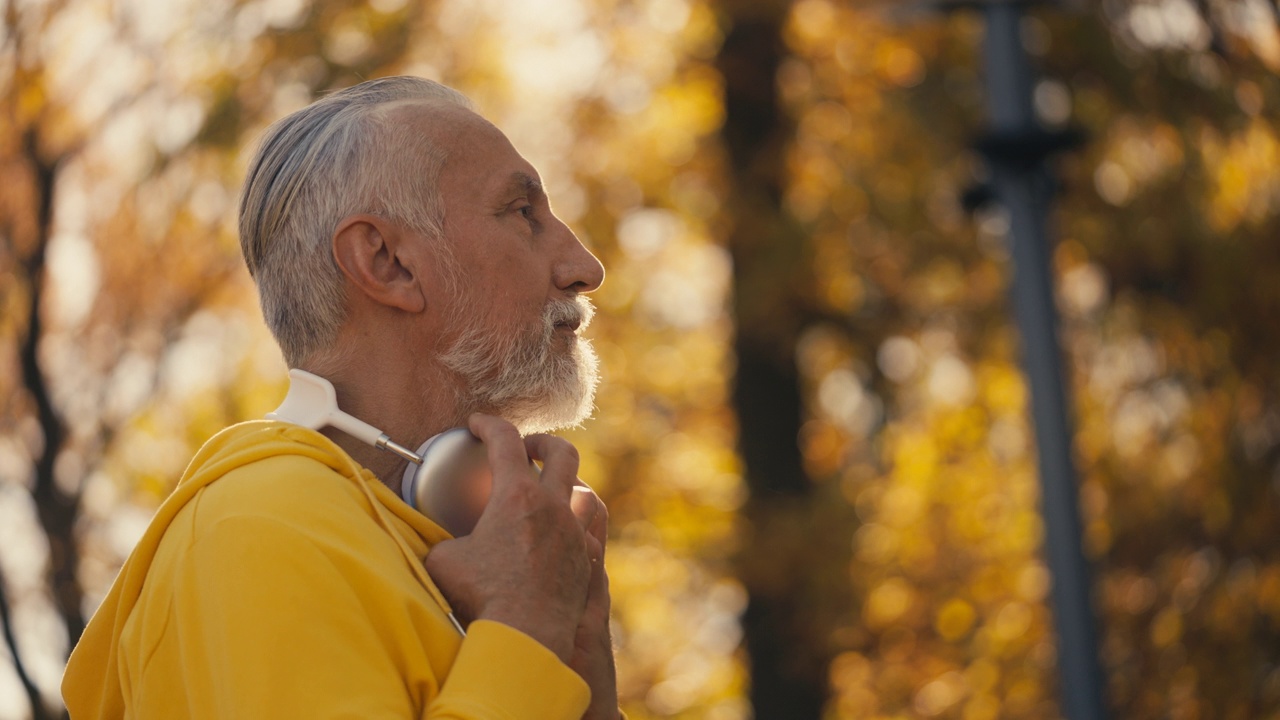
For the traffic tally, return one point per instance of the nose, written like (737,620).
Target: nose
(577,271)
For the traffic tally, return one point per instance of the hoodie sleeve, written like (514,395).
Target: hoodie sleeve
(268,624)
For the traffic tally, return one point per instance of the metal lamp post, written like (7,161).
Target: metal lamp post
(1016,149)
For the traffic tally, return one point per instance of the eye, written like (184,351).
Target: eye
(529,213)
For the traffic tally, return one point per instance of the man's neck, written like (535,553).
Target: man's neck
(409,407)
(386,465)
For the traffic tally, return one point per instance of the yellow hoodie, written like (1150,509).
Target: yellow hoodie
(282,580)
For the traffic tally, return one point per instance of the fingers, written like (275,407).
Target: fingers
(559,460)
(507,450)
(504,447)
(590,511)
(594,518)
(584,505)
(595,553)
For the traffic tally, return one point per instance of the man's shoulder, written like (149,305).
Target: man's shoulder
(287,489)
(283,481)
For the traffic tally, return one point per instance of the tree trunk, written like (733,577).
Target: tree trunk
(38,710)
(56,509)
(787,670)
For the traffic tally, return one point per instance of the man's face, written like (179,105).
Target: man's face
(512,334)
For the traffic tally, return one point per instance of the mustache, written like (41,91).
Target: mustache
(574,311)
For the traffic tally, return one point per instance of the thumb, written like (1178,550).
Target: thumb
(591,512)
(585,505)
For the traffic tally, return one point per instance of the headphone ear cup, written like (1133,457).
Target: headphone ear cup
(409,484)
(409,480)
(452,485)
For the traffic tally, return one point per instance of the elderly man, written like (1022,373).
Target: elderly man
(406,252)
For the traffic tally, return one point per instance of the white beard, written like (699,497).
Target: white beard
(524,378)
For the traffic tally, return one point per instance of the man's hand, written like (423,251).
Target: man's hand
(593,644)
(527,564)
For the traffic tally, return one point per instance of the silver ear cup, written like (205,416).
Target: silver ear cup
(453,483)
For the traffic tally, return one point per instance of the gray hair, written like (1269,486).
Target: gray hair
(342,155)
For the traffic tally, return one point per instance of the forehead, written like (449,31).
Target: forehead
(479,158)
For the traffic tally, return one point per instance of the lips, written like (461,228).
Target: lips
(569,315)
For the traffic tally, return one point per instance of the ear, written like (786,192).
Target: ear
(373,253)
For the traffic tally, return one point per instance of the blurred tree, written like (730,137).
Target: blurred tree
(946,571)
(1167,264)
(162,346)
(103,139)
(782,561)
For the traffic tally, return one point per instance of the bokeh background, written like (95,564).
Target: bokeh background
(813,433)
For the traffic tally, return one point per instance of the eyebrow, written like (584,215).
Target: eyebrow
(522,182)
